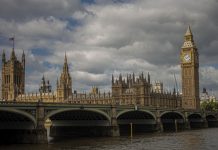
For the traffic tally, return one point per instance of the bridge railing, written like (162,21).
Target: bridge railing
(106,99)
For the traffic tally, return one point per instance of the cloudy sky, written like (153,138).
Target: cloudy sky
(105,37)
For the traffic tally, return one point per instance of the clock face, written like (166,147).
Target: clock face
(187,58)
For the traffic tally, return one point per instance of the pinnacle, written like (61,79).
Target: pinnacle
(65,67)
(65,57)
(188,32)
(13,54)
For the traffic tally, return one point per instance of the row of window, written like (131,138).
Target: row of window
(17,79)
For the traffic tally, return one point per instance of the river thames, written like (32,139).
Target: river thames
(204,139)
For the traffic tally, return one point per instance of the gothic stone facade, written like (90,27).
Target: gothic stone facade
(139,91)
(190,73)
(125,91)
(13,76)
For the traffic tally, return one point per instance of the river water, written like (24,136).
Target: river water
(204,139)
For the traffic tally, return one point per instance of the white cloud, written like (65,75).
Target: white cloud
(108,37)
(27,9)
(43,28)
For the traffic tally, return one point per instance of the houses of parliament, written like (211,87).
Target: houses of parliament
(129,90)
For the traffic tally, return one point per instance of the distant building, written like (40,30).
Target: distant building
(13,76)
(94,90)
(139,91)
(190,72)
(132,90)
(45,87)
(158,87)
(206,96)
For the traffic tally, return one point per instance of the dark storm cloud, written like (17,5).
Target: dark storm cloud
(113,37)
(21,10)
(160,26)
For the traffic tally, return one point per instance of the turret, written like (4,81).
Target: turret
(23,59)
(149,78)
(130,79)
(64,87)
(174,91)
(57,83)
(13,77)
(48,86)
(127,79)
(43,80)
(188,39)
(120,78)
(65,67)
(112,80)
(133,77)
(45,86)
(13,56)
(188,35)
(42,87)
(3,57)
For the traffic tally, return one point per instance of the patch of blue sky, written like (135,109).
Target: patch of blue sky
(88,1)
(29,70)
(121,1)
(5,41)
(72,23)
(104,1)
(44,65)
(47,64)
(211,65)
(41,51)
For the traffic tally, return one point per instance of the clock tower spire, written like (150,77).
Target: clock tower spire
(190,72)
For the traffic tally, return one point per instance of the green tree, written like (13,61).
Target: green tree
(209,106)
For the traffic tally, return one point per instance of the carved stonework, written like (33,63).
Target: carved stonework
(190,73)
(13,76)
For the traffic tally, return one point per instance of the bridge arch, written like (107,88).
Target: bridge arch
(20,113)
(210,116)
(78,109)
(195,114)
(195,120)
(126,111)
(172,121)
(79,122)
(141,120)
(15,124)
(212,120)
(175,112)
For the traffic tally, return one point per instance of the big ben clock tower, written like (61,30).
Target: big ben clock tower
(190,74)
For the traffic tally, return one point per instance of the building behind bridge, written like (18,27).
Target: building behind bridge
(130,90)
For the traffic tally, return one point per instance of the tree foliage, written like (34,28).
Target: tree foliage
(209,106)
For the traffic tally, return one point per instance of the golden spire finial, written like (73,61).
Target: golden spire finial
(188,32)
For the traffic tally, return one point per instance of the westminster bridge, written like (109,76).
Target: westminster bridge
(34,122)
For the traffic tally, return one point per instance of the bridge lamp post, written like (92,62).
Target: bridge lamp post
(131,130)
(47,125)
